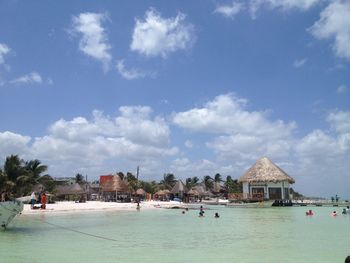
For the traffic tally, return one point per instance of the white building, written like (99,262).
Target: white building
(265,180)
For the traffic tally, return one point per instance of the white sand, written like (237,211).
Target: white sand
(72,207)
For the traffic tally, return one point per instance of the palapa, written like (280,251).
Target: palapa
(140,191)
(193,192)
(178,188)
(264,170)
(114,184)
(71,189)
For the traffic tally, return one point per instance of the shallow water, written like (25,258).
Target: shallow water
(245,235)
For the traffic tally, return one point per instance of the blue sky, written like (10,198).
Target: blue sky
(174,86)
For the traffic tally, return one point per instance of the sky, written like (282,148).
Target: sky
(187,87)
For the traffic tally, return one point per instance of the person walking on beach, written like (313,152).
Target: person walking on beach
(32,200)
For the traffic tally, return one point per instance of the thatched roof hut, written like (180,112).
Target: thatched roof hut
(193,192)
(201,190)
(264,170)
(162,192)
(113,183)
(140,191)
(179,188)
(70,189)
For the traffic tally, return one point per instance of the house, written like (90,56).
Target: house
(265,180)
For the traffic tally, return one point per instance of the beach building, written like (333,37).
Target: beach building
(71,192)
(265,181)
(113,188)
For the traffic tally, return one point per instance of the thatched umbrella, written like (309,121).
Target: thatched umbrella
(193,192)
(179,188)
(141,192)
(201,191)
(264,170)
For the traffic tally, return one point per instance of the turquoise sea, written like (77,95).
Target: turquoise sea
(242,235)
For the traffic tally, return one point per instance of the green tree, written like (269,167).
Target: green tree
(121,175)
(48,182)
(149,187)
(191,182)
(79,178)
(208,182)
(233,186)
(19,177)
(168,181)
(132,181)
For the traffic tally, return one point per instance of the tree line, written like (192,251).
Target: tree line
(19,177)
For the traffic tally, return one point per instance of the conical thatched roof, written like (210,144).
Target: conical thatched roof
(193,192)
(140,191)
(162,192)
(113,183)
(179,187)
(264,170)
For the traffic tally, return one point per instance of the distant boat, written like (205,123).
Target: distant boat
(8,211)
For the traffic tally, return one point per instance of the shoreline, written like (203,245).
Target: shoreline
(95,206)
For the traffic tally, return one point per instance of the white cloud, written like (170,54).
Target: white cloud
(342,89)
(157,36)
(94,41)
(33,77)
(12,143)
(4,50)
(292,4)
(227,114)
(229,11)
(334,24)
(129,74)
(339,121)
(188,144)
(100,144)
(285,5)
(299,62)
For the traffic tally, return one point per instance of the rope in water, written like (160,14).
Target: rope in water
(79,232)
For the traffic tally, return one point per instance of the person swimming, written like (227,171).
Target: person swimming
(217,215)
(344,211)
(309,213)
(334,213)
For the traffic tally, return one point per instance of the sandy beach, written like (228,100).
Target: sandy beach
(72,207)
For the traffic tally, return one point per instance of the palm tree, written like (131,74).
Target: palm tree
(18,177)
(208,182)
(121,175)
(36,168)
(191,182)
(217,178)
(168,181)
(79,178)
(232,186)
(132,181)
